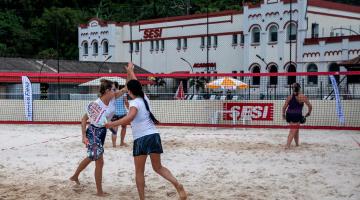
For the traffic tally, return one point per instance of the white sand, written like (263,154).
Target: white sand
(211,164)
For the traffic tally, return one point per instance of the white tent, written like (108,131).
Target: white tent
(96,82)
(227,83)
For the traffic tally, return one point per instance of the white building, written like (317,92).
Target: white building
(257,39)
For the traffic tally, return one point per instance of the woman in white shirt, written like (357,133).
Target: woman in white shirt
(147,140)
(94,135)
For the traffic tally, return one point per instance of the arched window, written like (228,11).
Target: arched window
(291,79)
(256,79)
(333,67)
(85,47)
(255,35)
(95,47)
(105,47)
(312,80)
(273,79)
(273,33)
(291,31)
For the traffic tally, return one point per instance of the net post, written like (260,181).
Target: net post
(321,91)
(249,89)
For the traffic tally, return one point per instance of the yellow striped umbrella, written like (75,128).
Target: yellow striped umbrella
(227,83)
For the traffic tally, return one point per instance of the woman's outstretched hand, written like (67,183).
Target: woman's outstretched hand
(129,67)
(109,125)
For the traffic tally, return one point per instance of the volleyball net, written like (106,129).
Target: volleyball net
(253,100)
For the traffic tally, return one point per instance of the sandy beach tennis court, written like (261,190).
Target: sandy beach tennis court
(37,160)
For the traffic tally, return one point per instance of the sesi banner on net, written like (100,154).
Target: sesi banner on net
(257,111)
(27,93)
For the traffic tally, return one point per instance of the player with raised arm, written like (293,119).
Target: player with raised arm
(98,113)
(147,139)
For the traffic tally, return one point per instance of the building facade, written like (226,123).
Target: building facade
(273,36)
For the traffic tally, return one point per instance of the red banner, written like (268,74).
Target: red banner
(152,33)
(257,111)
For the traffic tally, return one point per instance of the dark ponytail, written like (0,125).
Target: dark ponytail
(135,87)
(296,88)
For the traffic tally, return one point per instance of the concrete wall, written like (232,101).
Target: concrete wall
(171,111)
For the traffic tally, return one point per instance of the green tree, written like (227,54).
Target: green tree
(59,26)
(198,83)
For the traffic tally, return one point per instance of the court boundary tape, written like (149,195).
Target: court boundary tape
(42,142)
(349,128)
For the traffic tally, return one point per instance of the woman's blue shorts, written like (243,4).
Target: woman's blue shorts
(147,144)
(96,137)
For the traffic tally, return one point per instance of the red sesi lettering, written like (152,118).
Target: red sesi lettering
(156,33)
(256,112)
(146,34)
(152,33)
(265,112)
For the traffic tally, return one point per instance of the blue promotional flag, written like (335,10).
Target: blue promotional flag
(339,109)
(27,91)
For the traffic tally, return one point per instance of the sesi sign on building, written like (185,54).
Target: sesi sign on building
(152,33)
(204,65)
(257,111)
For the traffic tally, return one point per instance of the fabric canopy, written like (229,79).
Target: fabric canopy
(227,83)
(96,82)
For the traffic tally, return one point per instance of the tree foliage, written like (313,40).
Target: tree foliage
(48,28)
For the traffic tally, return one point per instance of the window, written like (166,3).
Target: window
(242,77)
(162,45)
(273,34)
(209,41)
(130,47)
(334,68)
(255,35)
(256,79)
(242,39)
(234,39)
(215,72)
(234,72)
(273,79)
(105,47)
(95,48)
(157,45)
(291,79)
(202,45)
(178,44)
(352,78)
(312,80)
(137,46)
(314,30)
(185,43)
(86,48)
(215,40)
(291,32)
(152,45)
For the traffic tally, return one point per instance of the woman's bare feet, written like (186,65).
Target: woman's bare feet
(287,147)
(182,194)
(75,179)
(124,145)
(102,194)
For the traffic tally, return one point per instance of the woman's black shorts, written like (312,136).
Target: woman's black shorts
(147,144)
(294,117)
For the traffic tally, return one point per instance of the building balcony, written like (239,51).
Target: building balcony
(336,39)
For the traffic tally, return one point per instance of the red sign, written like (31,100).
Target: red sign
(257,111)
(203,65)
(152,33)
